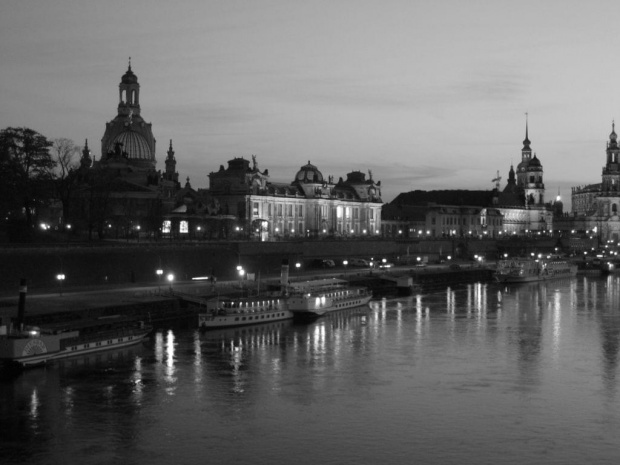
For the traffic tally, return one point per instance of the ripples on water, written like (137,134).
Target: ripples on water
(470,375)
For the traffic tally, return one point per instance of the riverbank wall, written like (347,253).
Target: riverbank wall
(136,263)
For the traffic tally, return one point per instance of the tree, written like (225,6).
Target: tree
(26,170)
(65,153)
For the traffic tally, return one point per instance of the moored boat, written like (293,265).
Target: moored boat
(231,312)
(520,270)
(311,299)
(33,345)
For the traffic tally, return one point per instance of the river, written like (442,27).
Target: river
(476,374)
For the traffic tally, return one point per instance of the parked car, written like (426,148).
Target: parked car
(455,266)
(323,263)
(386,265)
(359,262)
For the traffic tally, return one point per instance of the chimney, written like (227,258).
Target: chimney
(21,307)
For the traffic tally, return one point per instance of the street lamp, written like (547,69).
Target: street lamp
(159,272)
(345,263)
(241,273)
(170,279)
(60,277)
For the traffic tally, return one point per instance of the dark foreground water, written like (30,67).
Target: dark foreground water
(479,374)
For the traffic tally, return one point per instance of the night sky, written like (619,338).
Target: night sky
(425,94)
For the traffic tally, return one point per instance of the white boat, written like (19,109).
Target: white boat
(232,312)
(320,296)
(526,270)
(33,345)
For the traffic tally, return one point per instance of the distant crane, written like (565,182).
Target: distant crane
(496,180)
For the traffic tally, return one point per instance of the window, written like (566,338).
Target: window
(255,209)
(183,227)
(165,228)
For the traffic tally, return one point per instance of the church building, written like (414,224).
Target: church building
(121,194)
(595,206)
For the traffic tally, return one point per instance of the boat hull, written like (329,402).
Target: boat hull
(34,351)
(528,271)
(231,320)
(311,312)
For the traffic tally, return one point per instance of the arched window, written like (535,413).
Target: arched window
(614,208)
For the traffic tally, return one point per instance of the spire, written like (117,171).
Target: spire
(86,161)
(129,69)
(511,175)
(171,165)
(170,152)
(526,141)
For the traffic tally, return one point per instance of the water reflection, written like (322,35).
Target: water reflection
(398,379)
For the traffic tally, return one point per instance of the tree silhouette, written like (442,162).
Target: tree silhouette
(26,170)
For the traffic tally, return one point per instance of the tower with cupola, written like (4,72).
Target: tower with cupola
(530,173)
(128,139)
(611,170)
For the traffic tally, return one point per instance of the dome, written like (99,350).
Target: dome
(534,162)
(129,77)
(134,144)
(309,174)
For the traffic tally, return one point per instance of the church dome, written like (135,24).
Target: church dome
(129,77)
(309,174)
(534,162)
(134,144)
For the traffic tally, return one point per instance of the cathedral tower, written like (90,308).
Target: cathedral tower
(530,173)
(611,170)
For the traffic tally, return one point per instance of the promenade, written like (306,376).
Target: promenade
(48,301)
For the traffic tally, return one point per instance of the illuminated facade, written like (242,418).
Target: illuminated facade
(518,209)
(309,206)
(595,206)
(522,202)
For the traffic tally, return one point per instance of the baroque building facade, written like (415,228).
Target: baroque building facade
(122,194)
(519,208)
(595,206)
(309,206)
(522,201)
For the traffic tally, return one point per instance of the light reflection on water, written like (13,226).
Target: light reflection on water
(478,373)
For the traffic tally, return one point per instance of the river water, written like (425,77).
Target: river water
(475,374)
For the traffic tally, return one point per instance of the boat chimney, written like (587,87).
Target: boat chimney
(21,307)
(284,273)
